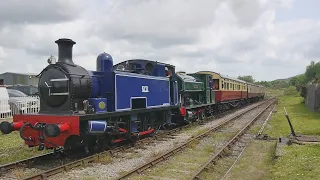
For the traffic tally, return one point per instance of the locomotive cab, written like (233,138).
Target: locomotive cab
(145,67)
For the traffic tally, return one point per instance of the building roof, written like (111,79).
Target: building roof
(26,74)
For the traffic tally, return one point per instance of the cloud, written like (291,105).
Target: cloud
(33,11)
(234,37)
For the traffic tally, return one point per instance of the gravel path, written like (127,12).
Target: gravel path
(126,161)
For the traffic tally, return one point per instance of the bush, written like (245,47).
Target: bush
(292,91)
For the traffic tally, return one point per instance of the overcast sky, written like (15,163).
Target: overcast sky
(268,39)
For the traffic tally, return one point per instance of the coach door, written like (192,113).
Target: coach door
(240,88)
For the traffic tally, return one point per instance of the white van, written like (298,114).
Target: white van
(4,102)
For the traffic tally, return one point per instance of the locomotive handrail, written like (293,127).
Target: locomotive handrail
(59,93)
(125,112)
(59,79)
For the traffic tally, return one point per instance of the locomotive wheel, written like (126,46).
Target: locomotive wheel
(106,143)
(202,115)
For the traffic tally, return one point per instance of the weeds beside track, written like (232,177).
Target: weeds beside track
(192,142)
(58,168)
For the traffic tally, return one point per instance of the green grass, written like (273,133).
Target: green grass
(274,92)
(254,161)
(303,120)
(12,148)
(298,161)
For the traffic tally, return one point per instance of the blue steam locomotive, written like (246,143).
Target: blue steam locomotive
(99,108)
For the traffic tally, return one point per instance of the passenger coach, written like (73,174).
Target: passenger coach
(231,89)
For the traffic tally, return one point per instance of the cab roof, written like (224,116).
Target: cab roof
(144,60)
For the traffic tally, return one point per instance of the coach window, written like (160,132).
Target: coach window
(215,83)
(222,85)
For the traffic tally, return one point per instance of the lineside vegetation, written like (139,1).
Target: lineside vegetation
(298,161)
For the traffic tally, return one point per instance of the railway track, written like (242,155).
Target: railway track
(65,165)
(29,162)
(237,144)
(239,147)
(163,157)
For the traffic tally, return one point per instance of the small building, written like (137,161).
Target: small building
(312,99)
(10,78)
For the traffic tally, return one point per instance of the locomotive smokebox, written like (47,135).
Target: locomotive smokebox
(65,50)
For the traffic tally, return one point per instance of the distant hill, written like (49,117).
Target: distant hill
(287,79)
(278,83)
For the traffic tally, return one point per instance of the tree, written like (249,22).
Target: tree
(293,81)
(312,72)
(263,83)
(247,78)
(300,80)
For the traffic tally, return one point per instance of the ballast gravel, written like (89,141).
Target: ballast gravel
(126,161)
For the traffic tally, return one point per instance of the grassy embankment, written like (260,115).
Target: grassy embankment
(298,161)
(12,148)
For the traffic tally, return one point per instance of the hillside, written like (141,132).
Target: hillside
(287,79)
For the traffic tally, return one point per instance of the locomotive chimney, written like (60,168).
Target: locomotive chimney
(65,50)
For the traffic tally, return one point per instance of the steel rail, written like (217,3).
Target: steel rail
(266,121)
(6,167)
(239,156)
(89,159)
(12,165)
(169,153)
(230,142)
